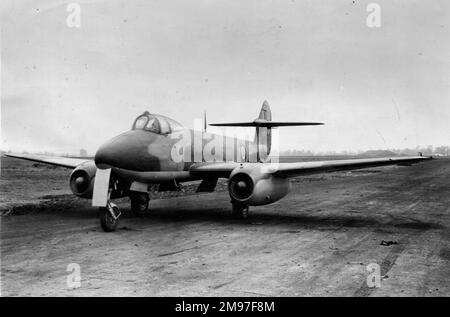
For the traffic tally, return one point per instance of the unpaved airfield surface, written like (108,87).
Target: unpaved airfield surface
(318,240)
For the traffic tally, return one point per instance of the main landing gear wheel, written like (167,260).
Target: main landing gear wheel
(139,203)
(109,217)
(240,210)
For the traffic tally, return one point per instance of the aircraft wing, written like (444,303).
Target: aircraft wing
(303,168)
(306,168)
(52,160)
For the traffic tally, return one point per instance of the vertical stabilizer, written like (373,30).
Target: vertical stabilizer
(263,135)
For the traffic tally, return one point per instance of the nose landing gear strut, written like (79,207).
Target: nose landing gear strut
(109,215)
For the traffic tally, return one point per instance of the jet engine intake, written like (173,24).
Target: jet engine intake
(82,180)
(253,187)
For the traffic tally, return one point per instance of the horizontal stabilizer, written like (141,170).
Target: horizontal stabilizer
(264,123)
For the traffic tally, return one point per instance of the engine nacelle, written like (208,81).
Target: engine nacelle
(82,180)
(254,187)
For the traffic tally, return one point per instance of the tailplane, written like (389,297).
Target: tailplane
(264,125)
(264,120)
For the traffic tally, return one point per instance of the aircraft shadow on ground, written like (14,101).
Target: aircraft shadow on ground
(301,221)
(222,215)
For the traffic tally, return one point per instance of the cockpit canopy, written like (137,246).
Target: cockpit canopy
(156,123)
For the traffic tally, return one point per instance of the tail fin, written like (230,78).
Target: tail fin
(205,124)
(264,125)
(265,112)
(263,135)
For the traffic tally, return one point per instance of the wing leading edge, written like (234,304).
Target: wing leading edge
(223,169)
(306,168)
(303,168)
(67,162)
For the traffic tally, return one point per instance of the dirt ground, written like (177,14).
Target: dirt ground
(318,240)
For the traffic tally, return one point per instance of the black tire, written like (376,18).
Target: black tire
(240,210)
(108,223)
(139,203)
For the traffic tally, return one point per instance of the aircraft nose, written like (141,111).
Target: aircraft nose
(117,152)
(127,151)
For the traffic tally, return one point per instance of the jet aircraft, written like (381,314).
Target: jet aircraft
(160,151)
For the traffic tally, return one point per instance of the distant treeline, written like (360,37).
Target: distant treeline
(429,150)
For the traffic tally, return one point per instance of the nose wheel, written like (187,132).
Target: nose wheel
(109,217)
(240,210)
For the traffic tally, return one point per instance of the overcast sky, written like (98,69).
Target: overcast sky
(69,88)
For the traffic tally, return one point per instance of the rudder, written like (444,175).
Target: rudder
(263,135)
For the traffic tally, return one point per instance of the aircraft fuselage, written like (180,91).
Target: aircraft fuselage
(154,158)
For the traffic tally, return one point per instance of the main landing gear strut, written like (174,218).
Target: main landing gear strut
(109,215)
(240,210)
(139,203)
